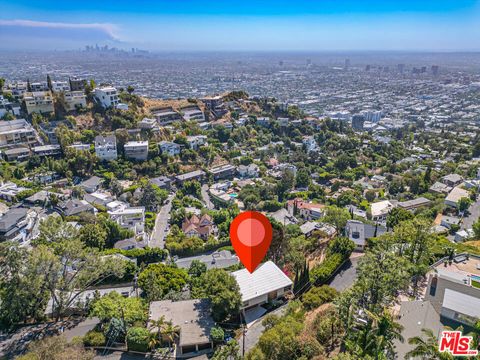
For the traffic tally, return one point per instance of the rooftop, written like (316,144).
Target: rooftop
(192,316)
(266,278)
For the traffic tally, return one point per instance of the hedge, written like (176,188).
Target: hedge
(322,273)
(137,339)
(94,338)
(143,256)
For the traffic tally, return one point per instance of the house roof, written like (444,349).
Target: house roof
(191,316)
(461,303)
(381,207)
(265,279)
(11,217)
(456,194)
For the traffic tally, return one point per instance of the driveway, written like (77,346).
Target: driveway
(157,239)
(206,197)
(474,215)
(256,330)
(347,275)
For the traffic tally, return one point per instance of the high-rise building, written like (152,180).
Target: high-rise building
(347,64)
(434,70)
(357,121)
(401,68)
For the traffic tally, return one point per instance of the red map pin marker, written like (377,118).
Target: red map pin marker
(251,236)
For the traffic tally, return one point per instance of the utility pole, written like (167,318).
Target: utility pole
(244,331)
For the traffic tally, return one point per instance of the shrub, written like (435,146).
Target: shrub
(217,334)
(94,338)
(321,273)
(318,296)
(137,339)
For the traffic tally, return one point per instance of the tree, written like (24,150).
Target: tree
(230,351)
(130,89)
(54,230)
(113,305)
(337,217)
(157,280)
(138,339)
(23,292)
(93,235)
(303,178)
(71,269)
(224,293)
(197,269)
(317,296)
(56,348)
(152,196)
(464,204)
(426,347)
(396,216)
(370,195)
(476,228)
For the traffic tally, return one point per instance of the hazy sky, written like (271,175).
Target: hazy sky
(242,25)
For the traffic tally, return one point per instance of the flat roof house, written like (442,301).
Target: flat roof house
(136,150)
(107,96)
(381,209)
(166,116)
(452,180)
(223,171)
(193,318)
(414,204)
(38,102)
(267,283)
(16,132)
(198,175)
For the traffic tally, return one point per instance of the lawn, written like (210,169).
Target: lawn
(476,284)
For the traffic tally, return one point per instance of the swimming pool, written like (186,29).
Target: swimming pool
(475,281)
(233,195)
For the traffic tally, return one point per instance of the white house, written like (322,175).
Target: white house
(75,99)
(107,96)
(265,284)
(137,150)
(248,171)
(132,218)
(169,148)
(106,147)
(196,141)
(455,195)
(381,209)
(309,143)
(59,86)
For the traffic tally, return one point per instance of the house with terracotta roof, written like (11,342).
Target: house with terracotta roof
(306,210)
(201,227)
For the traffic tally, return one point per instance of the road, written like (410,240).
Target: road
(157,239)
(347,274)
(474,215)
(206,197)
(256,330)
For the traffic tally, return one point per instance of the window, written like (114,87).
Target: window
(356,234)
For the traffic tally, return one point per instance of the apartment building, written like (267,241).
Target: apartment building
(166,116)
(17,132)
(107,96)
(136,150)
(40,102)
(223,171)
(77,84)
(39,86)
(106,147)
(60,86)
(75,100)
(193,113)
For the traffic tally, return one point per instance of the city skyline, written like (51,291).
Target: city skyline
(268,26)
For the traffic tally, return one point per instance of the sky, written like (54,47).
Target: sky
(245,25)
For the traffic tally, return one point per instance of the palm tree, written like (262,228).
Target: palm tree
(384,331)
(158,325)
(171,332)
(426,347)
